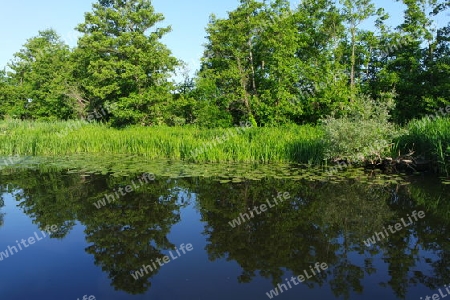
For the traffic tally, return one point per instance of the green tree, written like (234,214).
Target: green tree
(261,62)
(405,62)
(277,69)
(121,63)
(8,103)
(182,109)
(39,79)
(323,80)
(354,13)
(437,71)
(229,59)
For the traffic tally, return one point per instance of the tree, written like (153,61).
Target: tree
(354,13)
(437,63)
(323,81)
(404,65)
(121,63)
(8,96)
(276,65)
(278,68)
(229,59)
(39,78)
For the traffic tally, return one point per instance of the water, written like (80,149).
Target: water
(94,250)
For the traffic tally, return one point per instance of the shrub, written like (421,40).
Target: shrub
(362,133)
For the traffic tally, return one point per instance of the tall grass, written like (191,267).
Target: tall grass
(430,138)
(301,144)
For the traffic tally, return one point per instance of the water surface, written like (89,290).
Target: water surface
(97,251)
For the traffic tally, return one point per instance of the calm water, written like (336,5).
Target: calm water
(95,249)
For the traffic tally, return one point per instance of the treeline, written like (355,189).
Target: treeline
(266,63)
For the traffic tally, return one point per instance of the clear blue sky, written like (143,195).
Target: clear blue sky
(20,20)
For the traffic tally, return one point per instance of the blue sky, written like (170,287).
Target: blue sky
(20,20)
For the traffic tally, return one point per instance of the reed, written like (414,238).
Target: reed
(296,144)
(430,138)
(302,144)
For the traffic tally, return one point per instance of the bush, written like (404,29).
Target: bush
(362,133)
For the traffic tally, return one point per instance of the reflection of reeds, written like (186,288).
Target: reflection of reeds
(2,203)
(442,157)
(283,144)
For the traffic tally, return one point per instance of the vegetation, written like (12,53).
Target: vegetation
(349,138)
(265,64)
(430,138)
(363,133)
(283,144)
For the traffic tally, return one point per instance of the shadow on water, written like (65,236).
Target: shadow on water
(320,222)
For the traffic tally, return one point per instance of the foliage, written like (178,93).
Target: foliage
(266,62)
(363,133)
(8,96)
(122,65)
(431,139)
(239,144)
(39,80)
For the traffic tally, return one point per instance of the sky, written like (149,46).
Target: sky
(21,20)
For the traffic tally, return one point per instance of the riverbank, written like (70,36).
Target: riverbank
(428,140)
(302,144)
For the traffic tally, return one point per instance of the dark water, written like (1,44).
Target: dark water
(96,251)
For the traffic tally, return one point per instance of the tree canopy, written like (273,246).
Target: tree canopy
(265,62)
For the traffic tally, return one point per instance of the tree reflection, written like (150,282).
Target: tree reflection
(131,232)
(2,203)
(123,236)
(321,222)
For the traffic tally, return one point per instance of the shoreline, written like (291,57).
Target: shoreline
(302,144)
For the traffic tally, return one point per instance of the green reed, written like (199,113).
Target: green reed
(430,138)
(239,144)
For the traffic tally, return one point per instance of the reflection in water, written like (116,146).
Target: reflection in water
(320,222)
(2,203)
(123,235)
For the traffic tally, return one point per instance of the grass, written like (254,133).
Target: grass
(297,144)
(301,144)
(430,138)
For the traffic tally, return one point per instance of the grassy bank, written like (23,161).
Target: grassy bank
(302,144)
(239,144)
(431,139)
